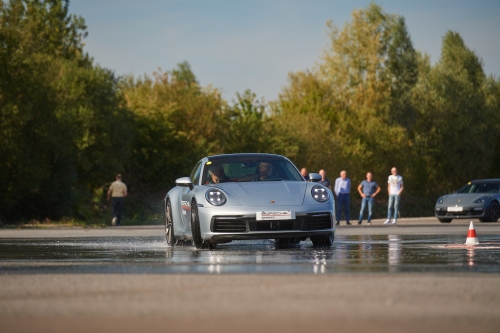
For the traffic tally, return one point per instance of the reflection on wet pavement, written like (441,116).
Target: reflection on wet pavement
(393,254)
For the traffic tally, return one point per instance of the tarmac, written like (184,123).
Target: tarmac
(404,226)
(374,302)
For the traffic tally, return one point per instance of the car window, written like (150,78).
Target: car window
(195,174)
(245,170)
(480,188)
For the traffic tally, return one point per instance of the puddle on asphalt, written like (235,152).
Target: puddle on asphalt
(349,254)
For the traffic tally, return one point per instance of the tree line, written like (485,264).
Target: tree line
(372,101)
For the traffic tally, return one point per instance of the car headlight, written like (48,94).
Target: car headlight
(320,194)
(440,200)
(481,200)
(216,197)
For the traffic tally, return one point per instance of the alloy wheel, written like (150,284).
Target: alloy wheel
(495,211)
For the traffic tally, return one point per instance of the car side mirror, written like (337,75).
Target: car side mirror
(314,177)
(184,181)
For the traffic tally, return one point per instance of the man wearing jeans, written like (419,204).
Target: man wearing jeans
(117,192)
(342,190)
(394,187)
(368,189)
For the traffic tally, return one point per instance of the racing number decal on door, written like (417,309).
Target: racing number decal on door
(186,206)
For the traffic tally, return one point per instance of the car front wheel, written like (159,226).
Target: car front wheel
(169,225)
(195,229)
(494,211)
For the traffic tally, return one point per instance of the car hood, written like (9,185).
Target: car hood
(263,194)
(461,199)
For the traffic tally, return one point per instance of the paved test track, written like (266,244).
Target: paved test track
(405,226)
(375,302)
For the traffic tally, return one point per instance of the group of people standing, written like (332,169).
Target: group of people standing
(368,189)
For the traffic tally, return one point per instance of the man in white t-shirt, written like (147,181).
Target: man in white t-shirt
(394,187)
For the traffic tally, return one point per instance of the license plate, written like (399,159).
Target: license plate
(455,209)
(275,215)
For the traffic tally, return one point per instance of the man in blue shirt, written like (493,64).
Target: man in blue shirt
(342,190)
(368,189)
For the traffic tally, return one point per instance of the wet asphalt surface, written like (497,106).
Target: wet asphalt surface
(150,255)
(413,277)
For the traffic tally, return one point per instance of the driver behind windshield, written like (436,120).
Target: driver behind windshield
(217,175)
(265,171)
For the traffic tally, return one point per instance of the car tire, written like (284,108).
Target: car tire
(196,231)
(322,241)
(444,220)
(169,225)
(494,212)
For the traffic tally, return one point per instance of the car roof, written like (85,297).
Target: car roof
(488,181)
(246,156)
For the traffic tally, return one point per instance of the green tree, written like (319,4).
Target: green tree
(360,90)
(401,62)
(245,132)
(492,90)
(301,123)
(455,122)
(178,122)
(61,123)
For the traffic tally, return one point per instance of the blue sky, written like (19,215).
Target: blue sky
(236,45)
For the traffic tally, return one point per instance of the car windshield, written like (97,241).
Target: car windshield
(249,170)
(480,188)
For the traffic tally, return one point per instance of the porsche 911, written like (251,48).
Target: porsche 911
(248,196)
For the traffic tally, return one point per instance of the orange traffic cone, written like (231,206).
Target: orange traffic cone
(471,235)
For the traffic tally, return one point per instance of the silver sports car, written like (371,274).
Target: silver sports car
(477,199)
(248,196)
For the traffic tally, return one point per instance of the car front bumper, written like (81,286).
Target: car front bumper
(467,212)
(240,223)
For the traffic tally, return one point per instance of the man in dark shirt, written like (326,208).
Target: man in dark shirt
(368,189)
(304,174)
(324,181)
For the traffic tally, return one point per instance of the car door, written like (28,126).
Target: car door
(187,196)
